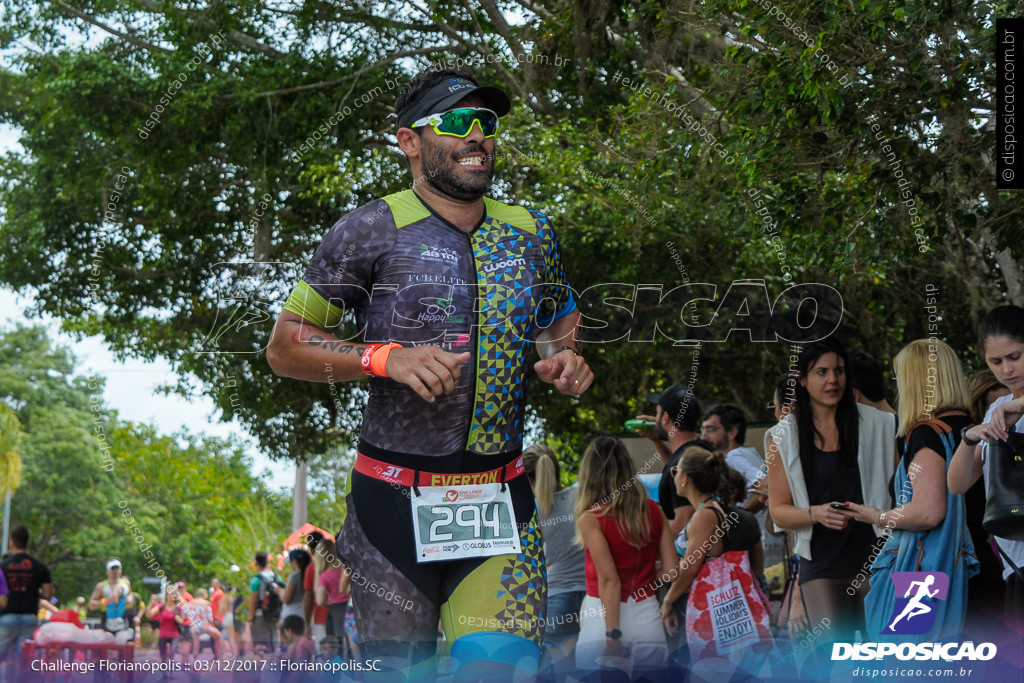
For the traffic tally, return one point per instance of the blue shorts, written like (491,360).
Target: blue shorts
(563,618)
(15,628)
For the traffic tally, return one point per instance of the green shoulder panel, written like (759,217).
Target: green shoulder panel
(406,208)
(513,215)
(306,302)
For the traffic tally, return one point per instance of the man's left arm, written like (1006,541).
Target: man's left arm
(558,319)
(563,364)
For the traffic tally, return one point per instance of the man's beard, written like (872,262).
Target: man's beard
(440,168)
(660,432)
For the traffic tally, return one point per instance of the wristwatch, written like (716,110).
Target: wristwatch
(614,634)
(963,437)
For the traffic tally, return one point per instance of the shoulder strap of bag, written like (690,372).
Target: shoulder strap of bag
(794,563)
(941,429)
(937,425)
(720,518)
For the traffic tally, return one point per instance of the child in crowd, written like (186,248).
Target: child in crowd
(330,650)
(300,647)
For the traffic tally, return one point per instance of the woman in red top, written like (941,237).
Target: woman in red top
(624,534)
(169,620)
(332,586)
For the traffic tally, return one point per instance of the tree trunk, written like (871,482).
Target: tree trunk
(299,500)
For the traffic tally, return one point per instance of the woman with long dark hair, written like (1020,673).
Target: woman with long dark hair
(828,451)
(293,598)
(1001,341)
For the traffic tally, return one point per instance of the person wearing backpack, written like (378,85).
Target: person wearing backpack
(264,606)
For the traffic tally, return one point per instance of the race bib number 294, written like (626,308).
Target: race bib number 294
(456,522)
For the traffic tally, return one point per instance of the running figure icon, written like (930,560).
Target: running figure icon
(915,607)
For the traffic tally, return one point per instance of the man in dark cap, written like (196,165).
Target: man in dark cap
(677,419)
(449,290)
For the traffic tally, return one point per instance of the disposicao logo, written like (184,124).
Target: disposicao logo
(914,613)
(947,652)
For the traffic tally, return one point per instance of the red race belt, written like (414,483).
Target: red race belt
(404,476)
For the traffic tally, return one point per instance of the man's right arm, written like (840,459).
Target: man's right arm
(96,600)
(301,350)
(663,451)
(681,519)
(46,592)
(253,599)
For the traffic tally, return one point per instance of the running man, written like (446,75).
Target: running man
(450,291)
(114,597)
(915,607)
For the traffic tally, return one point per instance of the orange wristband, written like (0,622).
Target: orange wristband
(375,358)
(364,360)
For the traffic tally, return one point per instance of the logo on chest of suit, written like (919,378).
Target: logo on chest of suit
(440,254)
(507,263)
(440,310)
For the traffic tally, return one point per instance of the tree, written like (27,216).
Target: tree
(94,486)
(280,127)
(328,480)
(63,476)
(10,461)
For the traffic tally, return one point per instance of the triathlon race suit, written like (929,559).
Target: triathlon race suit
(114,618)
(403,274)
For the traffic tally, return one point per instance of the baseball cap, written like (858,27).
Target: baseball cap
(113,563)
(445,94)
(679,402)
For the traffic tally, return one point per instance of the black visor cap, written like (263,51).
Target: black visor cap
(445,94)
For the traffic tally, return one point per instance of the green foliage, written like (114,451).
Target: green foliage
(94,486)
(328,475)
(10,459)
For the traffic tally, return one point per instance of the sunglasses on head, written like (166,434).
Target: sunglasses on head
(459,122)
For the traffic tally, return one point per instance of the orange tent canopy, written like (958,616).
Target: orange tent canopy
(299,537)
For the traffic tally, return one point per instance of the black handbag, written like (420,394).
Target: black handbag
(1004,502)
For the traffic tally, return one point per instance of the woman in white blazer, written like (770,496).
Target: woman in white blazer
(828,451)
